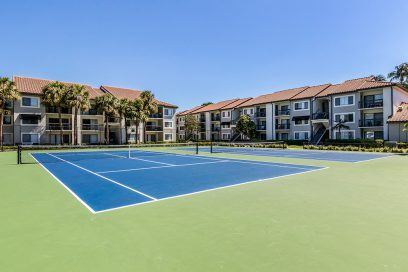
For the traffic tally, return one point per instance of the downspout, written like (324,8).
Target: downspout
(392,112)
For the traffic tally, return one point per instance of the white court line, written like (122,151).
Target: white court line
(375,158)
(273,164)
(105,178)
(65,186)
(159,167)
(138,159)
(209,190)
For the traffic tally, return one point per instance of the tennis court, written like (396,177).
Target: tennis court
(109,179)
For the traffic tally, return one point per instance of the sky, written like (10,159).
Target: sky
(190,52)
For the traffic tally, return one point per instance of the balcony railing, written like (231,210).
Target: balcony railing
(58,127)
(282,126)
(154,128)
(215,129)
(156,115)
(215,118)
(282,112)
(55,110)
(261,127)
(371,123)
(320,115)
(260,114)
(90,127)
(90,112)
(371,104)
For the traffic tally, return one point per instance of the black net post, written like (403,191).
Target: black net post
(19,154)
(196,147)
(211,147)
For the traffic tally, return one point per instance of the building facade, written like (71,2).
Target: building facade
(29,121)
(360,108)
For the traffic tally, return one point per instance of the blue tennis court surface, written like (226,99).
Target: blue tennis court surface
(105,180)
(336,156)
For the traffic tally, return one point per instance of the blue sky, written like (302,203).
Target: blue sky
(188,52)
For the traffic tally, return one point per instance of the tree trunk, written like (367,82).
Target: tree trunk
(106,129)
(75,126)
(60,126)
(137,133)
(1,128)
(126,128)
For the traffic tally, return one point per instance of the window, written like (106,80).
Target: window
(344,101)
(168,124)
(300,122)
(181,128)
(304,105)
(374,135)
(226,114)
(226,136)
(90,138)
(168,137)
(345,117)
(30,120)
(8,105)
(302,135)
(168,112)
(32,102)
(249,111)
(345,135)
(30,138)
(7,119)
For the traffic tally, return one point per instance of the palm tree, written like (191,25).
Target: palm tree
(8,92)
(123,110)
(379,78)
(107,104)
(78,99)
(149,106)
(53,95)
(339,126)
(400,73)
(137,115)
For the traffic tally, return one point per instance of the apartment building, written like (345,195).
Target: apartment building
(217,121)
(29,121)
(367,109)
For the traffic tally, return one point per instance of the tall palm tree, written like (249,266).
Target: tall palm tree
(8,92)
(339,126)
(138,116)
(107,104)
(149,106)
(400,73)
(53,95)
(123,109)
(78,99)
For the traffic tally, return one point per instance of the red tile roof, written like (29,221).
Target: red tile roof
(29,85)
(185,112)
(130,94)
(216,106)
(311,91)
(236,103)
(353,85)
(401,115)
(274,97)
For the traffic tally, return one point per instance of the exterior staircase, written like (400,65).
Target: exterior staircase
(318,136)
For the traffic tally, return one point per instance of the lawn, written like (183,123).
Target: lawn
(349,217)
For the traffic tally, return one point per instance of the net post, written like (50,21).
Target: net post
(196,148)
(211,147)
(19,154)
(129,152)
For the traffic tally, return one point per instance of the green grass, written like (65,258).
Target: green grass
(350,217)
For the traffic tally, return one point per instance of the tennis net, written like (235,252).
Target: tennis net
(31,154)
(246,147)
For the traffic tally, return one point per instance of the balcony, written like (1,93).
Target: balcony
(156,115)
(55,110)
(58,127)
(113,119)
(90,127)
(202,119)
(282,112)
(202,129)
(261,127)
(371,123)
(215,118)
(215,129)
(260,114)
(320,115)
(90,112)
(370,104)
(153,128)
(282,126)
